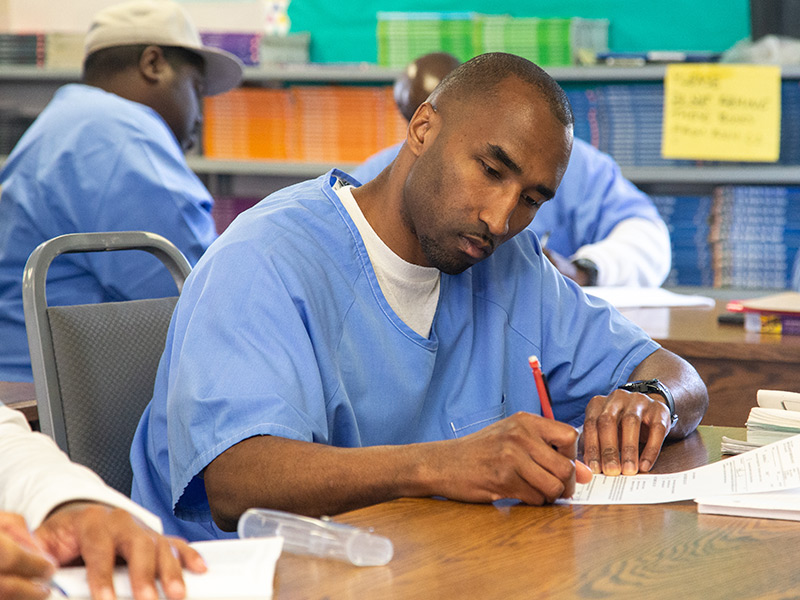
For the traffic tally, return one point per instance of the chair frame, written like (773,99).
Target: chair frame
(34,296)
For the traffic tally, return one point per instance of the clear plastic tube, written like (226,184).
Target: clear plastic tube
(317,537)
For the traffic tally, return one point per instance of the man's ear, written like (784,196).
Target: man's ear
(422,128)
(152,64)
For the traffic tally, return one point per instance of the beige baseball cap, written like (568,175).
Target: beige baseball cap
(162,23)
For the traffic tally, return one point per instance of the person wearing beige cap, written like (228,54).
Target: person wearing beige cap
(107,155)
(104,155)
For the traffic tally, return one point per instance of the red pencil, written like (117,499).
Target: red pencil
(541,387)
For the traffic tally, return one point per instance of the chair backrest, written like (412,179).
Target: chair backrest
(94,365)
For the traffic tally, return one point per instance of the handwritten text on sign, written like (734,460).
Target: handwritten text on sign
(722,112)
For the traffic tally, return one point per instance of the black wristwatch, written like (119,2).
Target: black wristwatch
(589,268)
(654,386)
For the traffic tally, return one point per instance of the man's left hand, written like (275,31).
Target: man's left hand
(615,426)
(99,534)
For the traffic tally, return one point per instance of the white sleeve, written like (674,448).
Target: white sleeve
(636,253)
(36,476)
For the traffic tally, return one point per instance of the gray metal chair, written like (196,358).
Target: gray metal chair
(94,365)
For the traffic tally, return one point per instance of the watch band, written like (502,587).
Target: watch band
(589,269)
(654,386)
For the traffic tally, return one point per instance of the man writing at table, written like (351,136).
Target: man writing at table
(343,346)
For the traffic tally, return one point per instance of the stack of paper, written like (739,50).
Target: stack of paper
(767,425)
(776,417)
(762,483)
(734,446)
(784,504)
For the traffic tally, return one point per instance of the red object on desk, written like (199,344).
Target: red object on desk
(541,387)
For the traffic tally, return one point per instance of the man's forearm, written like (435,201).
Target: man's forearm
(523,456)
(307,478)
(36,477)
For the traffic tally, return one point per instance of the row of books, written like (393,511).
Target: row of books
(65,50)
(403,36)
(687,218)
(344,124)
(754,235)
(22,49)
(741,236)
(625,120)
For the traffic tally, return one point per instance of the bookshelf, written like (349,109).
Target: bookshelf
(29,89)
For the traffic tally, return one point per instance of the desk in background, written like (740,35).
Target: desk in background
(21,396)
(454,550)
(733,363)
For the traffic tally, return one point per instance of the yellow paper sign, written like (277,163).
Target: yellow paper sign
(722,112)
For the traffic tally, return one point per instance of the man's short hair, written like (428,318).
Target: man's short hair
(486,71)
(102,64)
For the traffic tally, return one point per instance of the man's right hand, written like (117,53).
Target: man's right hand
(524,456)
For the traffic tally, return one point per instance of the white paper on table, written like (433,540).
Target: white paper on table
(635,297)
(783,504)
(236,569)
(769,468)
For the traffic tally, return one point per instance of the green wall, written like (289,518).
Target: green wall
(344,30)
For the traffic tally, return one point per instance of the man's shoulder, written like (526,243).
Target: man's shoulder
(85,107)
(296,235)
(298,212)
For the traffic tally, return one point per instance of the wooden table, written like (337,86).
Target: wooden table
(733,363)
(21,396)
(452,550)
